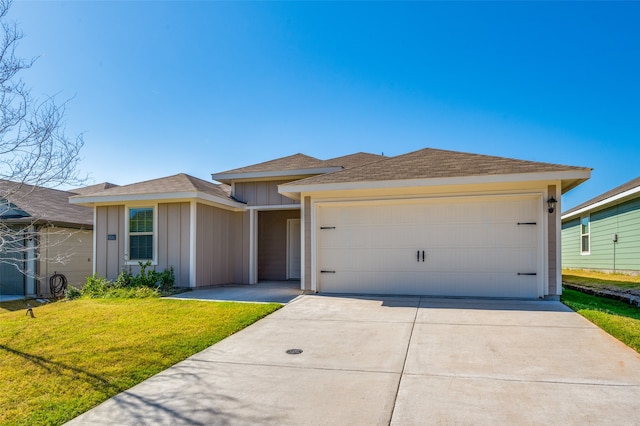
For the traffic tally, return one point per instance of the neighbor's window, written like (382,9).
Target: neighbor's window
(585,233)
(141,233)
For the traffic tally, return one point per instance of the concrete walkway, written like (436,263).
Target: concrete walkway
(263,292)
(399,361)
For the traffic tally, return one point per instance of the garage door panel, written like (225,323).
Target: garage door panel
(371,259)
(507,260)
(473,247)
(470,284)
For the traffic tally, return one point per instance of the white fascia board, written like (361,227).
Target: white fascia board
(227,204)
(293,191)
(227,177)
(275,207)
(603,203)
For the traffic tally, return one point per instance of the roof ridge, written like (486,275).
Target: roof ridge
(432,163)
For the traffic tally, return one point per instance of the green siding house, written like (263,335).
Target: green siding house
(604,232)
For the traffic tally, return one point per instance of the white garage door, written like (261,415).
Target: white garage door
(481,246)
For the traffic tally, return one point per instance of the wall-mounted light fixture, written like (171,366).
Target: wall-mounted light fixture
(551,202)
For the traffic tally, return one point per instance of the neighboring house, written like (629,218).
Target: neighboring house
(430,222)
(42,234)
(604,232)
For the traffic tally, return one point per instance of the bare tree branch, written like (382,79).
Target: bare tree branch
(35,151)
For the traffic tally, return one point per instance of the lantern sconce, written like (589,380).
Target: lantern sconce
(551,202)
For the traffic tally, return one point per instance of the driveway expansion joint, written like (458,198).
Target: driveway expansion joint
(299,367)
(404,364)
(524,380)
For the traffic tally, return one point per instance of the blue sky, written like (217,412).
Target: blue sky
(166,87)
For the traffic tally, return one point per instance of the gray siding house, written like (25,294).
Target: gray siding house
(42,234)
(604,232)
(430,222)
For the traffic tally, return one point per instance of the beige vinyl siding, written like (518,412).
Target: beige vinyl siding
(173,240)
(65,251)
(272,243)
(109,253)
(215,240)
(261,193)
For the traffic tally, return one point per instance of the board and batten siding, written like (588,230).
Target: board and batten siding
(272,246)
(65,251)
(219,236)
(173,240)
(622,219)
(173,236)
(109,253)
(262,193)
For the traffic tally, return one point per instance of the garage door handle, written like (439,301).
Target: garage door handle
(418,256)
(527,273)
(327,272)
(423,255)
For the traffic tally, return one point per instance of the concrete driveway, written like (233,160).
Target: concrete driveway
(399,361)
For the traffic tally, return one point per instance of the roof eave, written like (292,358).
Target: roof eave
(229,177)
(51,222)
(572,178)
(614,199)
(93,200)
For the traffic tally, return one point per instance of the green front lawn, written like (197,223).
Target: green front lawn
(75,354)
(619,319)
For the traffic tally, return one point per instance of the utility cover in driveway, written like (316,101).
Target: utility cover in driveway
(481,246)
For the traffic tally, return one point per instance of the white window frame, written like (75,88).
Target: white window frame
(127,214)
(588,235)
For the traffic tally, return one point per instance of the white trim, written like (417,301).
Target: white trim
(127,208)
(293,190)
(95,240)
(160,197)
(226,177)
(275,207)
(193,246)
(588,234)
(603,203)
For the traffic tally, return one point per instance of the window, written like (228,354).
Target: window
(585,233)
(141,234)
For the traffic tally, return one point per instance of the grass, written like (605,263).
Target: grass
(17,305)
(619,319)
(74,355)
(601,280)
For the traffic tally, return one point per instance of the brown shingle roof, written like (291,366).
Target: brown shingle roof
(292,162)
(46,204)
(432,163)
(354,160)
(92,189)
(634,183)
(176,183)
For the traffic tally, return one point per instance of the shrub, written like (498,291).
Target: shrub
(72,293)
(96,286)
(167,279)
(147,283)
